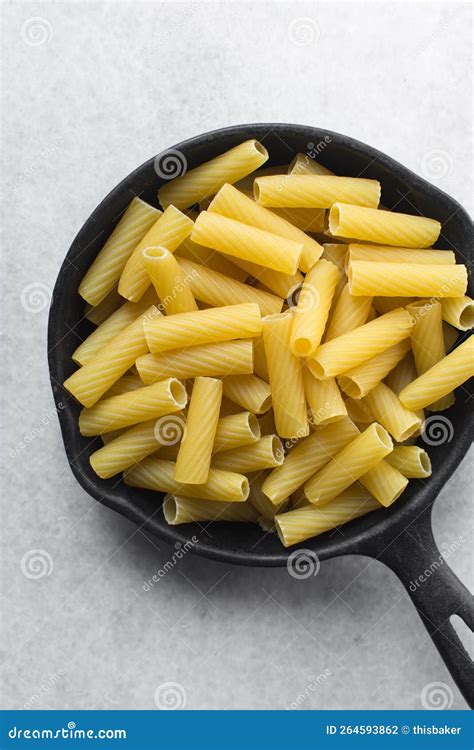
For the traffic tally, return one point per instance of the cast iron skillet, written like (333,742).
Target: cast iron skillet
(401,537)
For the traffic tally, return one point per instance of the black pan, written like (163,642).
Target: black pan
(401,536)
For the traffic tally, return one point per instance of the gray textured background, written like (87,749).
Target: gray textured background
(91,90)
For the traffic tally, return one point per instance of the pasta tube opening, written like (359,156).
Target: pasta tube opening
(383,436)
(334,219)
(170,509)
(253,425)
(177,391)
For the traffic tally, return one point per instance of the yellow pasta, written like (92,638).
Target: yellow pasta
(336,253)
(248,391)
(194,456)
(203,327)
(406,279)
(208,178)
(306,219)
(106,331)
(352,462)
(458,311)
(169,280)
(442,378)
(246,242)
(383,227)
(413,462)
(306,458)
(263,454)
(210,360)
(105,271)
(427,341)
(156,474)
(384,305)
(381,254)
(178,509)
(384,482)
(387,409)
(450,335)
(358,381)
(219,290)
(101,312)
(304,164)
(351,349)
(168,231)
(125,384)
(311,313)
(267,423)
(323,398)
(137,406)
(315,191)
(233,204)
(259,359)
(236,430)
(349,312)
(303,523)
(208,257)
(358,412)
(130,447)
(245,185)
(260,501)
(89,383)
(286,377)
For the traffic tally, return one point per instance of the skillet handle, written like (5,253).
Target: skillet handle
(436,592)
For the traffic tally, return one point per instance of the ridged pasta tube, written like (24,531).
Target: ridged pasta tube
(155,474)
(169,280)
(194,456)
(384,482)
(286,377)
(208,257)
(236,430)
(249,391)
(137,406)
(442,378)
(106,307)
(304,164)
(315,191)
(358,381)
(211,360)
(306,219)
(259,500)
(406,279)
(168,231)
(304,523)
(427,342)
(281,284)
(413,462)
(240,240)
(209,177)
(459,312)
(387,409)
(381,254)
(219,290)
(105,271)
(311,313)
(106,331)
(233,204)
(203,327)
(349,312)
(263,454)
(125,384)
(323,398)
(178,509)
(114,359)
(351,349)
(383,227)
(307,457)
(352,462)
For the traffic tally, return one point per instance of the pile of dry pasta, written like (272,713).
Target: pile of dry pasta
(268,358)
